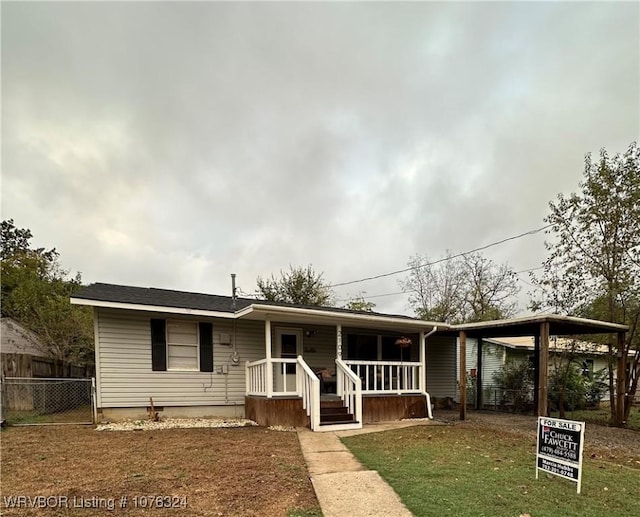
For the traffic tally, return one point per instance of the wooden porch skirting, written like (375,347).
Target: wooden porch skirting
(276,411)
(384,408)
(375,408)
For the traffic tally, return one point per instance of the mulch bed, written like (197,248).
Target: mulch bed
(249,471)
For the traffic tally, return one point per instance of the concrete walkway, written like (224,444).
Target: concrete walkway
(343,487)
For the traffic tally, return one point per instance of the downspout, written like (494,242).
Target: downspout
(426,393)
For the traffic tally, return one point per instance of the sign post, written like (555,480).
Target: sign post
(559,449)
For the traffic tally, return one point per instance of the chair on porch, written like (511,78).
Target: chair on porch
(327,380)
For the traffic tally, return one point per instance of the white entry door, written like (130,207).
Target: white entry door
(288,345)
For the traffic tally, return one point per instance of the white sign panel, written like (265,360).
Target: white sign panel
(559,450)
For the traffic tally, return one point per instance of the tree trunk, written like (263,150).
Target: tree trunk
(561,402)
(612,387)
(632,386)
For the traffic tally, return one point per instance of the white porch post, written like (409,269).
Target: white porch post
(269,365)
(423,365)
(339,356)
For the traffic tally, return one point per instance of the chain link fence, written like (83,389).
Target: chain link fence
(32,401)
(522,401)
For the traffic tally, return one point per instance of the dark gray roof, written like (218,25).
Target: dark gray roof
(160,297)
(184,300)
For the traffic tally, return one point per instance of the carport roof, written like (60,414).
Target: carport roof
(530,326)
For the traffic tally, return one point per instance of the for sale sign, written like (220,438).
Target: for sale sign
(559,450)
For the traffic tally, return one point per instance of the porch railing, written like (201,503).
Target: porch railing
(285,374)
(387,376)
(349,387)
(309,389)
(288,377)
(256,377)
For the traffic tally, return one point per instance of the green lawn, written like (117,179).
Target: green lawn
(453,470)
(602,416)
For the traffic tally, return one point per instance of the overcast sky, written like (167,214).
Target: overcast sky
(171,144)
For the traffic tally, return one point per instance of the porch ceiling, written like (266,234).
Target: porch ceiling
(308,316)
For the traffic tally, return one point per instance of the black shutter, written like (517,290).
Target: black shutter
(206,347)
(158,345)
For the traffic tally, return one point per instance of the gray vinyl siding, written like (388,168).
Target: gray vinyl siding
(441,366)
(492,360)
(318,349)
(127,380)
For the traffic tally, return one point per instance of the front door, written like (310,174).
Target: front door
(288,345)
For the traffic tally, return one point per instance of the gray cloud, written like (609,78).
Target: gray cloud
(169,144)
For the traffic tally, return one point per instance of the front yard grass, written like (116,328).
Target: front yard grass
(453,470)
(249,471)
(602,416)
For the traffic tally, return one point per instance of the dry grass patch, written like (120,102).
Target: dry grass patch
(244,471)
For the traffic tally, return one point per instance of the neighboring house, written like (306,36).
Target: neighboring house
(209,355)
(16,339)
(22,352)
(496,352)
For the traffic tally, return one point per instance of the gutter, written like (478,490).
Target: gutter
(328,314)
(273,309)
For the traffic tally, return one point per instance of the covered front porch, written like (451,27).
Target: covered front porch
(334,375)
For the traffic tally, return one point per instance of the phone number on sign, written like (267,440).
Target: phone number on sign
(159,501)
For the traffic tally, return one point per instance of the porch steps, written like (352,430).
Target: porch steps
(333,412)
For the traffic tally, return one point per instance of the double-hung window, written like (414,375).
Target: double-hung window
(182,345)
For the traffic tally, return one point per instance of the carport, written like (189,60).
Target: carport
(540,327)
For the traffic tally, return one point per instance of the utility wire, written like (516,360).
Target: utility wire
(396,293)
(383,275)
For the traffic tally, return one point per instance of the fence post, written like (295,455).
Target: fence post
(1,401)
(94,400)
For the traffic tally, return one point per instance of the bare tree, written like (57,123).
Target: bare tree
(436,290)
(460,289)
(491,289)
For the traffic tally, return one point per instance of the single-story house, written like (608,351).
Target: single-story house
(278,364)
(327,368)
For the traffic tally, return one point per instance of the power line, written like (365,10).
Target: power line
(396,293)
(366,297)
(397,272)
(529,270)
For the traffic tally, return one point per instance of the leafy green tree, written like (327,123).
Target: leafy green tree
(596,387)
(299,285)
(567,385)
(516,378)
(460,289)
(36,292)
(593,267)
(360,304)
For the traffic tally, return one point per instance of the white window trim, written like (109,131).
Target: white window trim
(197,368)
